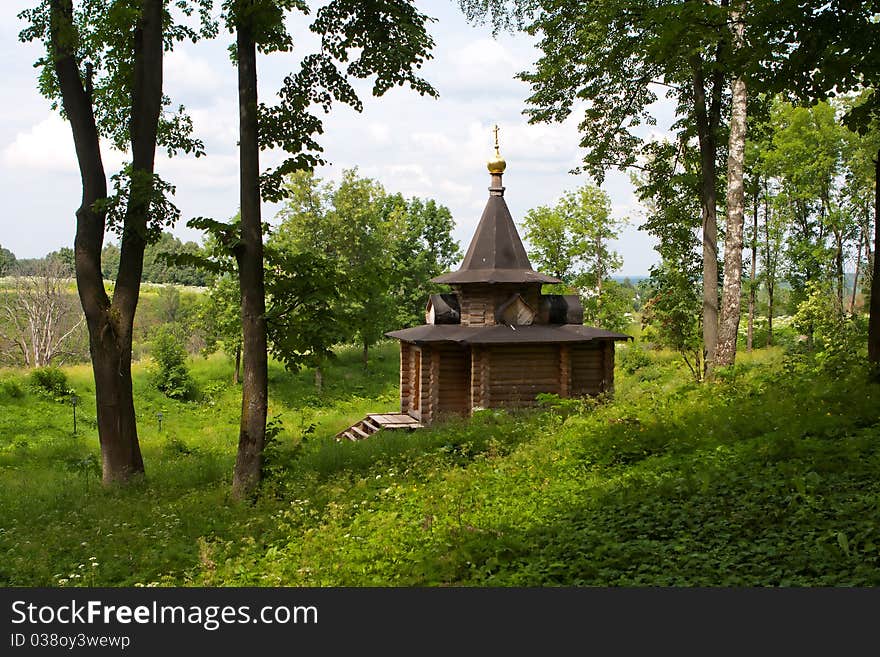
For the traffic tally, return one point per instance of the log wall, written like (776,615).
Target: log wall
(608,365)
(517,374)
(453,389)
(406,377)
(455,380)
(479,301)
(589,374)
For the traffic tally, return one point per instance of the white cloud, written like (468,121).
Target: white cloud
(380,133)
(480,70)
(211,172)
(48,147)
(217,125)
(191,74)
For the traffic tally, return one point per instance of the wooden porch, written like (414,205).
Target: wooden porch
(375,422)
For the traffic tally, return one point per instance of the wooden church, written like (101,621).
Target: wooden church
(496,341)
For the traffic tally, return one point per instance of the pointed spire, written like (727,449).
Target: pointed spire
(496,253)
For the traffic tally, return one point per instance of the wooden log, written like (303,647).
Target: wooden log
(609,366)
(405,367)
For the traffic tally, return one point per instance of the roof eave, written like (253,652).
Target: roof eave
(494,276)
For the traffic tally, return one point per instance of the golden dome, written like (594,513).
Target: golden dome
(497,163)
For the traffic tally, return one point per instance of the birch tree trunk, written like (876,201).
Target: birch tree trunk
(855,288)
(753,287)
(728,324)
(874,316)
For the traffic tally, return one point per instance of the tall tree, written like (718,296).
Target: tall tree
(865,120)
(571,240)
(771,253)
(103,62)
(804,155)
(728,324)
(423,247)
(859,155)
(248,17)
(672,313)
(356,39)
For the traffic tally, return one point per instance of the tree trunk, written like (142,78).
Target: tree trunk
(121,454)
(753,286)
(769,266)
(254,398)
(707,123)
(874,317)
(236,373)
(110,323)
(855,287)
(366,354)
(838,264)
(728,327)
(319,379)
(869,257)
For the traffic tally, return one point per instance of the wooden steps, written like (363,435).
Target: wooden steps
(375,422)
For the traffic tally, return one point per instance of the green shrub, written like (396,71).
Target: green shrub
(12,389)
(171,375)
(634,358)
(838,339)
(175,447)
(49,380)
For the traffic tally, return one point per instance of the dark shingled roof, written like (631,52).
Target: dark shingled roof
(502,334)
(496,253)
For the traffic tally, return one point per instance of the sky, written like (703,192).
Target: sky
(415,145)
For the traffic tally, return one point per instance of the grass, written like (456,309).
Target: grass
(767,476)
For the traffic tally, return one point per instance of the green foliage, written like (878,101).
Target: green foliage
(104,44)
(171,374)
(11,389)
(139,189)
(837,339)
(672,315)
(273,466)
(350,261)
(163,262)
(7,261)
(49,380)
(423,248)
(760,479)
(220,314)
(301,320)
(174,447)
(632,358)
(570,241)
(613,53)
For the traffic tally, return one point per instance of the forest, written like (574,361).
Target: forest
(170,410)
